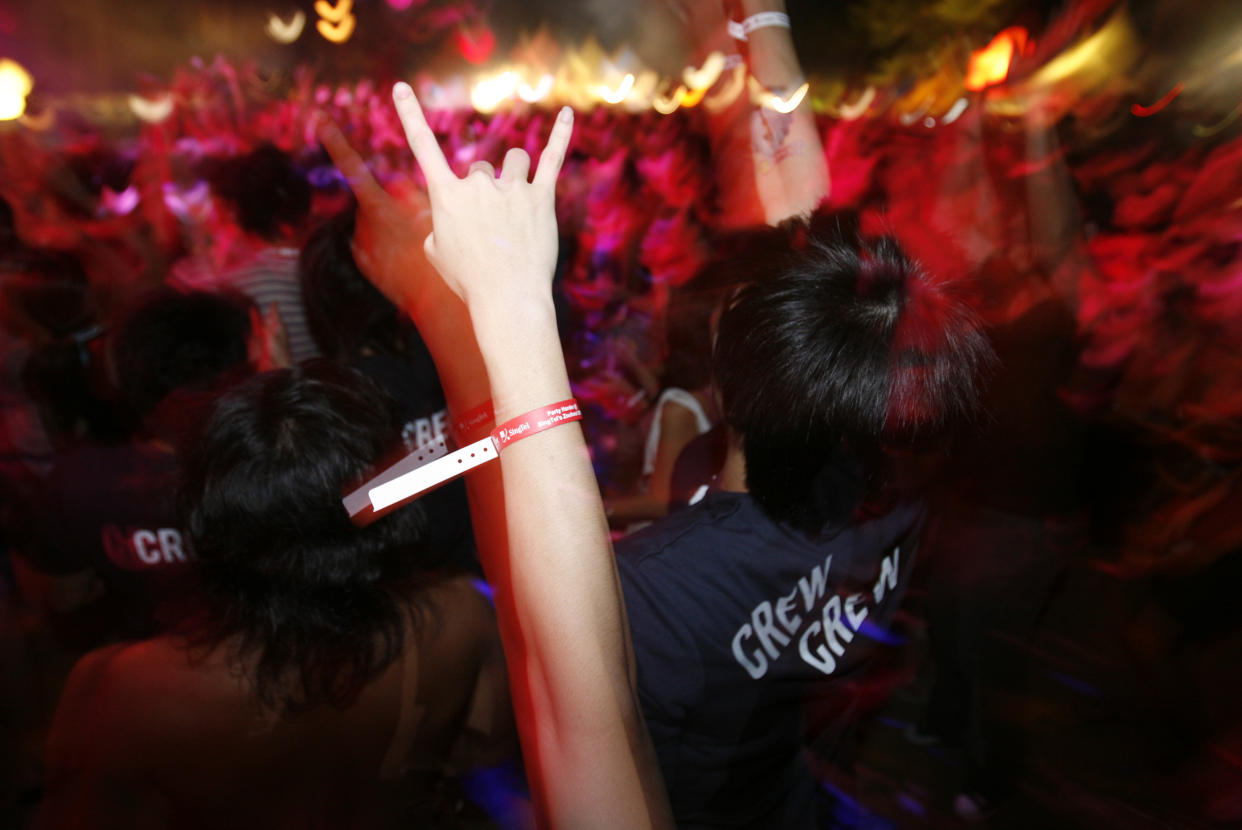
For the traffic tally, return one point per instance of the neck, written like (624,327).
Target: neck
(732,476)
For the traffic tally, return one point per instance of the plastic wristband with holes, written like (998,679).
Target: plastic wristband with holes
(762,20)
(442,470)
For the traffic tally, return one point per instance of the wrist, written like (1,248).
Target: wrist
(522,352)
(503,322)
(752,7)
(771,58)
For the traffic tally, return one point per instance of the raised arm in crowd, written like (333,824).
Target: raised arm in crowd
(486,314)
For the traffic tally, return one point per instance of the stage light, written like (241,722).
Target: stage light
(706,75)
(851,112)
(119,204)
(488,93)
(40,123)
(955,111)
(331,13)
(15,85)
(908,118)
(534,94)
(476,45)
(643,91)
(337,32)
(616,96)
(1209,130)
(336,23)
(990,65)
(728,92)
(667,105)
(772,101)
(286,32)
(1143,112)
(152,111)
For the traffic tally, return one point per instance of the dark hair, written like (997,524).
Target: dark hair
(688,339)
(736,257)
(319,605)
(344,311)
(169,340)
(8,229)
(269,192)
(50,288)
(850,345)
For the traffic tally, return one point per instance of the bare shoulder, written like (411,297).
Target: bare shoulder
(459,610)
(678,420)
(125,695)
(101,750)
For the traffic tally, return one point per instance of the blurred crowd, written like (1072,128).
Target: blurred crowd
(144,275)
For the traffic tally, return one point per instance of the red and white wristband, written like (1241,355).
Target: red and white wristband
(428,467)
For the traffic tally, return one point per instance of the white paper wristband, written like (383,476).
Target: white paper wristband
(762,20)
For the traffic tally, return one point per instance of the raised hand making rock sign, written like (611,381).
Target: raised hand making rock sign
(488,315)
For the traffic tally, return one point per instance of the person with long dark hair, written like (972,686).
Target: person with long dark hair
(328,671)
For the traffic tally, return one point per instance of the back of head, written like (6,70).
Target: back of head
(170,341)
(736,257)
(46,298)
(271,195)
(848,347)
(346,314)
(313,605)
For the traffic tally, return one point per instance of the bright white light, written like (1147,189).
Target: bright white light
(286,32)
(490,92)
(534,94)
(15,85)
(152,111)
(955,111)
(616,96)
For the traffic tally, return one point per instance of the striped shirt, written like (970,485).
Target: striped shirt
(271,276)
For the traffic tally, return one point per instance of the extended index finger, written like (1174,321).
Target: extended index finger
(422,140)
(366,189)
(553,155)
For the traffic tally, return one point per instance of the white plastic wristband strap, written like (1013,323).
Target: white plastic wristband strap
(762,20)
(360,499)
(385,491)
(432,475)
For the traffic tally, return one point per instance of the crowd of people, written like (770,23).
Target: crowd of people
(895,390)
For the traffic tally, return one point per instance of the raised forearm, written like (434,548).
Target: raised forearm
(575,648)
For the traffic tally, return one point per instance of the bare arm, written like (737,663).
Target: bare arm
(543,539)
(678,427)
(494,242)
(791,173)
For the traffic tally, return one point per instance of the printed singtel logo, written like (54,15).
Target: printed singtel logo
(538,422)
(512,432)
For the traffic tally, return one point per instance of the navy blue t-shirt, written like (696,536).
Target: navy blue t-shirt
(735,618)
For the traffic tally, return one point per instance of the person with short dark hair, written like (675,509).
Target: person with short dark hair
(271,204)
(844,356)
(171,346)
(327,670)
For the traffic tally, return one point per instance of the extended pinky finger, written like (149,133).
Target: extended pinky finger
(553,155)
